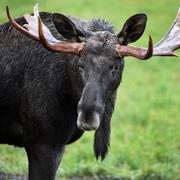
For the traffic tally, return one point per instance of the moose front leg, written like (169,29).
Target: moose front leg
(43,161)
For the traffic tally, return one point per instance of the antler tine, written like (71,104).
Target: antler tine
(60,46)
(18,27)
(41,36)
(139,53)
(171,41)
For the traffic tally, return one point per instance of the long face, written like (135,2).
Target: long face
(100,69)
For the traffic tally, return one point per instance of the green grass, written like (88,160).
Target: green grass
(145,138)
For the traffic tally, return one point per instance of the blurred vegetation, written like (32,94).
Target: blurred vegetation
(145,138)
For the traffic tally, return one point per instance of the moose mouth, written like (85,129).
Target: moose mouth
(88,121)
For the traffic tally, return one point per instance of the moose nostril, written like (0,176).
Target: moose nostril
(87,116)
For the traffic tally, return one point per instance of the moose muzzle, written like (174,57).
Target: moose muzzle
(90,108)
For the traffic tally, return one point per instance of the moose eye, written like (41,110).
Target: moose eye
(115,67)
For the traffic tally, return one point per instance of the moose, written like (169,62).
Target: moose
(59,78)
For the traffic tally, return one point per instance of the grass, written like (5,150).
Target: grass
(146,121)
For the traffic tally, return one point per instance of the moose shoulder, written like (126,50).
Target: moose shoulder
(62,81)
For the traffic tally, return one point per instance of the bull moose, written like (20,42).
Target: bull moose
(58,78)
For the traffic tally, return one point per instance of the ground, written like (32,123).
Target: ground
(145,125)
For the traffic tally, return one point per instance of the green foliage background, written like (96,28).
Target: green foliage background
(145,137)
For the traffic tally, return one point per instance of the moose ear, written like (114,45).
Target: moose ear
(66,27)
(132,29)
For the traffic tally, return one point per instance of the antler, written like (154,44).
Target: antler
(139,53)
(38,31)
(165,47)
